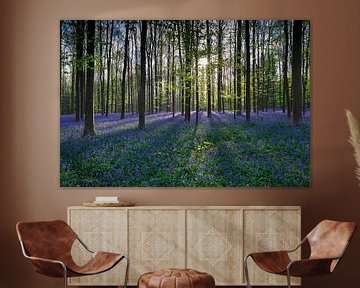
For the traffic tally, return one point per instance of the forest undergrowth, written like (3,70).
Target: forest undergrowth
(268,151)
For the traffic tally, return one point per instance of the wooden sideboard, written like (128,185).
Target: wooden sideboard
(213,239)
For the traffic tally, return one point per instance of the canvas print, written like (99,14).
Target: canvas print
(185,103)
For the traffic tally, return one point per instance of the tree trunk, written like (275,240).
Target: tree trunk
(168,73)
(286,96)
(102,74)
(141,101)
(187,42)
(89,128)
(160,83)
(306,69)
(179,26)
(197,72)
(238,68)
(156,69)
(126,52)
(208,68)
(253,66)
(247,44)
(296,72)
(79,82)
(109,68)
(173,75)
(219,94)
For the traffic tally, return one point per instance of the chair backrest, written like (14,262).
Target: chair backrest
(46,239)
(329,239)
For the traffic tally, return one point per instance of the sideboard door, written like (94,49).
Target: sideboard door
(156,240)
(214,243)
(270,230)
(101,230)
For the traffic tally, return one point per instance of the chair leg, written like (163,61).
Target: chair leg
(246,272)
(65,276)
(288,278)
(126,271)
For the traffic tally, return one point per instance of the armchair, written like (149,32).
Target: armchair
(328,242)
(48,245)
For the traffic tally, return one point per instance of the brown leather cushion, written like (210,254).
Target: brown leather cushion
(176,278)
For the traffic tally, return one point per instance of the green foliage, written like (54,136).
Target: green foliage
(176,154)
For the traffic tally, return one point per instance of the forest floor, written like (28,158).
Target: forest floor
(269,151)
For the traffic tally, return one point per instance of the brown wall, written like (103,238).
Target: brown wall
(29,119)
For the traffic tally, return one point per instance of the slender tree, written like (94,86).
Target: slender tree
(286,96)
(220,64)
(126,52)
(182,82)
(173,74)
(141,101)
(238,68)
(187,45)
(197,70)
(306,61)
(296,72)
(253,66)
(109,68)
(102,74)
(89,128)
(79,82)
(247,45)
(208,68)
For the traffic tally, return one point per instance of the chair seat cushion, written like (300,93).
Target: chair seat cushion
(176,278)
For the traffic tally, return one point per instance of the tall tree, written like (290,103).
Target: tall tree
(79,82)
(109,68)
(208,68)
(296,72)
(253,66)
(167,87)
(101,76)
(247,45)
(197,29)
(187,44)
(306,60)
(126,52)
(286,96)
(141,101)
(173,73)
(89,128)
(182,84)
(220,64)
(238,68)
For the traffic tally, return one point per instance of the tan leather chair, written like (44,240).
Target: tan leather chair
(328,242)
(48,245)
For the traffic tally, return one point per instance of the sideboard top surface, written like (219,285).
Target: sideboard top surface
(193,207)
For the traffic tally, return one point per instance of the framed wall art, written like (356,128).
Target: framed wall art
(185,103)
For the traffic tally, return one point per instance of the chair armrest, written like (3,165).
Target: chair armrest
(309,267)
(271,261)
(48,267)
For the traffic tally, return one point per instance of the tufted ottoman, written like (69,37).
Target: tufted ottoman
(176,278)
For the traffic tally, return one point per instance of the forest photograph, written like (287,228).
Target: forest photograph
(185,103)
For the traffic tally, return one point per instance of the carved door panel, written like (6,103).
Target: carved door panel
(214,244)
(156,240)
(269,230)
(101,230)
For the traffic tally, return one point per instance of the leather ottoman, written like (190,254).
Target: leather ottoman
(176,278)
